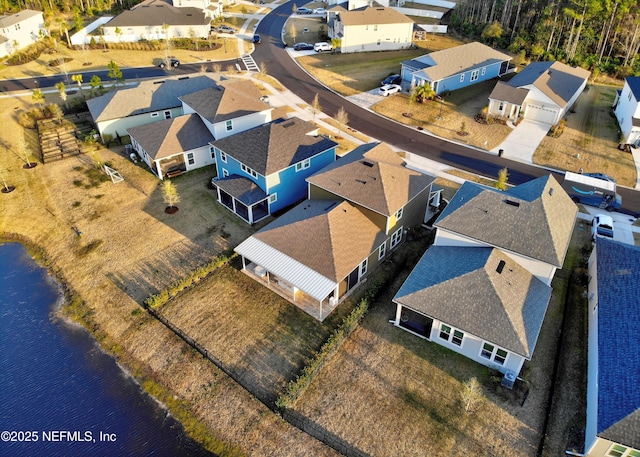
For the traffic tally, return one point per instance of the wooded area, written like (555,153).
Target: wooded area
(600,35)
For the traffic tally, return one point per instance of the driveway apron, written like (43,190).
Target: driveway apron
(523,141)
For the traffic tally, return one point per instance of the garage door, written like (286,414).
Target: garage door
(541,114)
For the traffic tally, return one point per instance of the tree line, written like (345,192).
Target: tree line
(600,35)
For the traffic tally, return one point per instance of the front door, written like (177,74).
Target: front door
(352,280)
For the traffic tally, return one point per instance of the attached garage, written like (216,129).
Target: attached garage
(540,113)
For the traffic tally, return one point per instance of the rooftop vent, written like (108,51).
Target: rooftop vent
(512,203)
(501,265)
(183,77)
(361,181)
(158,82)
(368,164)
(550,190)
(288,124)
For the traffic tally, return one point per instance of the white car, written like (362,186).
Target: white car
(601,226)
(322,46)
(389,89)
(319,11)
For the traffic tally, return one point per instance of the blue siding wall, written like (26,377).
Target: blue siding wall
(234,168)
(293,186)
(453,82)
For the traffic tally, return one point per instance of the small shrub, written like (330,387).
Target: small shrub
(78,183)
(76,204)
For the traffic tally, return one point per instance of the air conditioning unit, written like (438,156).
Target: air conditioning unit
(333,301)
(508,379)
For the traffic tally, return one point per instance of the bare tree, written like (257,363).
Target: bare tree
(170,194)
(342,116)
(503,177)
(471,394)
(315,106)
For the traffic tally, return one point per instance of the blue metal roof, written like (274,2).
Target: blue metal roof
(634,84)
(618,337)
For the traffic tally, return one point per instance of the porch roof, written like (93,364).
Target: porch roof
(241,189)
(275,261)
(507,93)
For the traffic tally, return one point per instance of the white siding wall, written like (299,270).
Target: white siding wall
(25,33)
(625,111)
(112,126)
(241,124)
(151,32)
(592,361)
(362,38)
(202,158)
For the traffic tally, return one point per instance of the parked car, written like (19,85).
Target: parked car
(389,89)
(322,46)
(600,176)
(319,11)
(226,29)
(601,225)
(303,10)
(174,63)
(257,39)
(393,79)
(303,47)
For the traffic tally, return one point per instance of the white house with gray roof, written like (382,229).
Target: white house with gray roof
(626,108)
(483,288)
(542,92)
(19,30)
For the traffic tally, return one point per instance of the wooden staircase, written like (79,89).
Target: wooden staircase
(65,138)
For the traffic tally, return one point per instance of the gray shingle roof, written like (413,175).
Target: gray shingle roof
(329,236)
(275,146)
(618,268)
(158,13)
(534,219)
(461,286)
(146,97)
(372,176)
(12,19)
(230,100)
(373,15)
(172,136)
(242,189)
(504,92)
(459,59)
(556,80)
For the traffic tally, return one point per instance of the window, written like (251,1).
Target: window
(273,198)
(375,27)
(491,352)
(474,75)
(501,106)
(382,250)
(225,173)
(167,114)
(487,351)
(154,114)
(190,158)
(223,156)
(462,78)
(396,238)
(363,267)
(306,163)
(620,451)
(378,42)
(249,171)
(500,357)
(229,125)
(457,337)
(213,152)
(629,95)
(445,332)
(484,70)
(399,214)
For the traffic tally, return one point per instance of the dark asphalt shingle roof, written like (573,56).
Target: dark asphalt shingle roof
(373,176)
(172,136)
(275,146)
(534,219)
(461,286)
(507,93)
(618,267)
(158,13)
(242,189)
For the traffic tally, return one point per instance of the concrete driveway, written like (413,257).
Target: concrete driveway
(523,141)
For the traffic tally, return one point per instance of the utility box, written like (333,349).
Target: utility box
(508,380)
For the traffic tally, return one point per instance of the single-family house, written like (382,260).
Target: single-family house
(543,92)
(613,367)
(19,30)
(146,102)
(455,68)
(370,28)
(231,107)
(483,288)
(317,253)
(173,146)
(157,20)
(627,110)
(263,169)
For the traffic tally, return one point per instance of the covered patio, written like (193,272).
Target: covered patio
(243,197)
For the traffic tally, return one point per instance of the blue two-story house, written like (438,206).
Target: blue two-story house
(264,169)
(455,68)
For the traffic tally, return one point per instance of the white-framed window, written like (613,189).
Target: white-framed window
(451,334)
(382,250)
(223,156)
(229,125)
(629,95)
(375,27)
(474,75)
(399,214)
(249,171)
(306,163)
(484,70)
(167,114)
(225,173)
(213,152)
(273,197)
(462,78)
(494,353)
(396,238)
(190,158)
(617,450)
(501,106)
(378,42)
(363,267)
(154,114)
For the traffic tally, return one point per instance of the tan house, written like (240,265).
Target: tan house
(370,28)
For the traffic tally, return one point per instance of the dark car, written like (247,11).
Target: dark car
(174,63)
(393,79)
(257,39)
(303,47)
